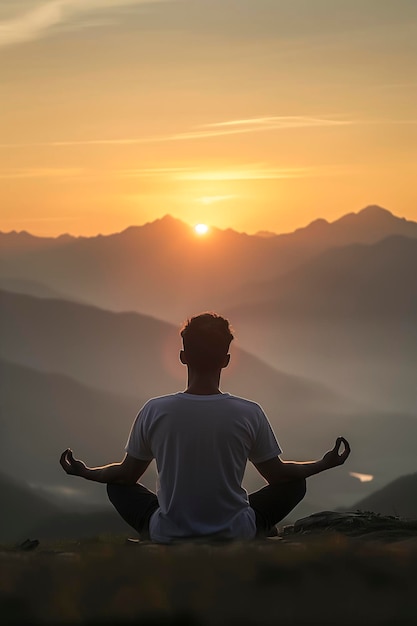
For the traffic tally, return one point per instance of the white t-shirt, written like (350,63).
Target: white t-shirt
(201,445)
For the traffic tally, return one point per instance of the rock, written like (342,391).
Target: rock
(355,524)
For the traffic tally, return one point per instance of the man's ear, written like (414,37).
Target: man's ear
(183,358)
(226,361)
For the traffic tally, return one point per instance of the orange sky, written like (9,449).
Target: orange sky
(250,114)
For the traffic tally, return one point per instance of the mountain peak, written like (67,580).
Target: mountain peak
(375,211)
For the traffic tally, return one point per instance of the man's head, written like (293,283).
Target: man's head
(206,339)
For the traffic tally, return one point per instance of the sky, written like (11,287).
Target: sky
(244,114)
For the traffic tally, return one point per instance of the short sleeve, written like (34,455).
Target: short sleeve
(137,444)
(265,446)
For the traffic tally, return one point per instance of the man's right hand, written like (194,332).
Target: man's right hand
(70,465)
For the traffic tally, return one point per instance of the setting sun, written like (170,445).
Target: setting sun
(201,229)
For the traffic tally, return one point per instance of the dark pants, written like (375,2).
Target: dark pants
(135,504)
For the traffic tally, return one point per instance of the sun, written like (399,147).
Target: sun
(201,229)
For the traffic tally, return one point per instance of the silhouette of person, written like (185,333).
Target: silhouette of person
(201,439)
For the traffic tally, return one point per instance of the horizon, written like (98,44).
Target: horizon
(244,115)
(262,232)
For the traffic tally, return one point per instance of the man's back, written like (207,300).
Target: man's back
(201,444)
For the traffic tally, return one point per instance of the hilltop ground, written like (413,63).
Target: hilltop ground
(327,577)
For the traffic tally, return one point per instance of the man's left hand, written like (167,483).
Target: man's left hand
(334,457)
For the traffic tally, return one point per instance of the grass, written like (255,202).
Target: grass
(322,580)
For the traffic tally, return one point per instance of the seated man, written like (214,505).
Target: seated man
(201,440)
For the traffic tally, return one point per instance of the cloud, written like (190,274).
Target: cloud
(213,199)
(221,129)
(279,121)
(41,172)
(37,21)
(255,125)
(251,172)
(207,131)
(254,171)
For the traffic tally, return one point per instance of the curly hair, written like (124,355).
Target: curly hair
(206,338)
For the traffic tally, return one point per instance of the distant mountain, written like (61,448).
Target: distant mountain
(43,413)
(26,514)
(73,526)
(162,268)
(371,224)
(29,287)
(132,354)
(14,243)
(398,498)
(165,270)
(346,318)
(20,508)
(360,280)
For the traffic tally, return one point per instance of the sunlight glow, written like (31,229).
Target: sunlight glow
(201,229)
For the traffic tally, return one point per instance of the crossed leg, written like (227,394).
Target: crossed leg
(273,502)
(136,504)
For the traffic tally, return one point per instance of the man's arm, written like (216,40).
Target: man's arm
(275,470)
(127,472)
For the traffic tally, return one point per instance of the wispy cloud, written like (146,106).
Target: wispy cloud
(220,129)
(41,172)
(206,131)
(255,125)
(279,121)
(34,23)
(151,172)
(253,171)
(215,199)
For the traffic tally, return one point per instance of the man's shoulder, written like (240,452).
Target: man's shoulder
(158,401)
(246,403)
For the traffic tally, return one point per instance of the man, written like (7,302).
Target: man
(201,440)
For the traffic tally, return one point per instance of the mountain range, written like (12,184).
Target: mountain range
(21,508)
(165,270)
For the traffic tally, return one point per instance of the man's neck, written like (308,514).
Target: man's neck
(203,384)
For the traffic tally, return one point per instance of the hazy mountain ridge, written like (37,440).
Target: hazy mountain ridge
(21,508)
(30,288)
(376,280)
(43,413)
(398,498)
(18,242)
(369,225)
(347,317)
(26,514)
(131,353)
(164,269)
